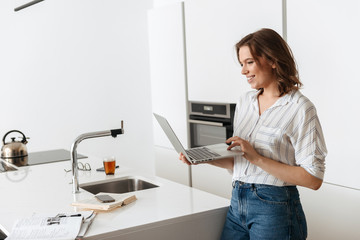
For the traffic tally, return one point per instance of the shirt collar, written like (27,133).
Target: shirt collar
(254,101)
(292,96)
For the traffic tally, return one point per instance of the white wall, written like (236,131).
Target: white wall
(74,66)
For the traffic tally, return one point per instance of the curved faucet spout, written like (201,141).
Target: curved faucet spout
(74,162)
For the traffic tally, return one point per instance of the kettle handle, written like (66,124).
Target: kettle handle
(23,140)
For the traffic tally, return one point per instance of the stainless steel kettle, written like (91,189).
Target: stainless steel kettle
(15,152)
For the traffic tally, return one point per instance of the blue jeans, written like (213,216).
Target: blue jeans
(264,212)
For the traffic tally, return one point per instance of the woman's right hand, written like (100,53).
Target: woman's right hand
(184,159)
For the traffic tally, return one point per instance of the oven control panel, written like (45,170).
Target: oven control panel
(222,110)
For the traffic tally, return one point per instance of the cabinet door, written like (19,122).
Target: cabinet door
(213,27)
(168,87)
(168,165)
(167,69)
(324,208)
(212,179)
(324,36)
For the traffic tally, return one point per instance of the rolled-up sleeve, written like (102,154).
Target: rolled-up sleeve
(309,144)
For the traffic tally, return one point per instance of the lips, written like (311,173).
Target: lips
(250,78)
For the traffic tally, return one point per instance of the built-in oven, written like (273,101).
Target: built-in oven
(210,123)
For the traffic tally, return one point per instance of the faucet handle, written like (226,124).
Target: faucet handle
(115,132)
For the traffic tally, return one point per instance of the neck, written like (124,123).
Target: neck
(271,91)
(267,98)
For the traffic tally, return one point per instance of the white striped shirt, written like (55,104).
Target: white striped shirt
(289,132)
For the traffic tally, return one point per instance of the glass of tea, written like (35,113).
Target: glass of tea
(109,165)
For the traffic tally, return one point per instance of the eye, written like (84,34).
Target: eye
(250,62)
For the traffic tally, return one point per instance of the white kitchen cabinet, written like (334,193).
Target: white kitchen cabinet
(324,36)
(167,69)
(168,165)
(331,212)
(168,86)
(213,27)
(212,179)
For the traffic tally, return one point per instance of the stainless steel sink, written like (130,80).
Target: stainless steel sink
(123,185)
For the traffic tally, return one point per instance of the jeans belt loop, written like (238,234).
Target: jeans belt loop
(239,182)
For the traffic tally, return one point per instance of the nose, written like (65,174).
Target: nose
(244,70)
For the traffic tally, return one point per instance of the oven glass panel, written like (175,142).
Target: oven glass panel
(206,135)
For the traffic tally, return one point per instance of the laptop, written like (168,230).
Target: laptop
(198,154)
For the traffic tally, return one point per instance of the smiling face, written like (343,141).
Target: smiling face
(259,73)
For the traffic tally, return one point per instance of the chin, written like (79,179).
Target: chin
(253,86)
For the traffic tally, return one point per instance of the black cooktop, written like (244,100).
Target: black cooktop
(50,156)
(42,157)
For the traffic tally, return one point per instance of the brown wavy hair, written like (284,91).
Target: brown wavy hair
(270,45)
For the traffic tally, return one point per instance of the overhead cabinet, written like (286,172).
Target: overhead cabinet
(213,27)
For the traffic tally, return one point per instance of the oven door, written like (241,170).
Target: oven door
(204,133)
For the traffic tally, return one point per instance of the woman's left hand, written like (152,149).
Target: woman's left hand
(247,149)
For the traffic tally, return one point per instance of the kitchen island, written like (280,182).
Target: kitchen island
(170,211)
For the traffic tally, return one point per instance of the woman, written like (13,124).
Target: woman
(282,145)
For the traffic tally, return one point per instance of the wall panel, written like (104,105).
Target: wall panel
(324,36)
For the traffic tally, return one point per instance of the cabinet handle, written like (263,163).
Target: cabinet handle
(218,124)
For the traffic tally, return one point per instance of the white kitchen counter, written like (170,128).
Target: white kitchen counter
(169,211)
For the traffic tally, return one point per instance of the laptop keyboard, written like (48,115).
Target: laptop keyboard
(201,153)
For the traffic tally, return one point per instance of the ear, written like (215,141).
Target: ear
(271,63)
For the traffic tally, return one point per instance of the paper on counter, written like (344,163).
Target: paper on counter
(36,228)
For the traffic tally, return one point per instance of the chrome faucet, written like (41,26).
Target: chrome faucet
(74,162)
